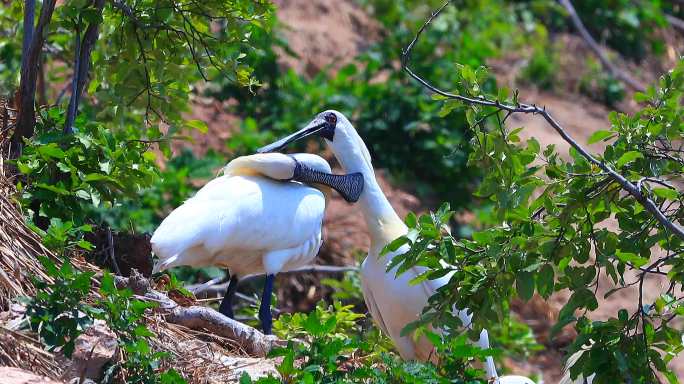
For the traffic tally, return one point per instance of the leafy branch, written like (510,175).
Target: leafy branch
(565,225)
(518,107)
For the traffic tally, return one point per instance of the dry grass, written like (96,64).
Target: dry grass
(20,350)
(199,356)
(19,246)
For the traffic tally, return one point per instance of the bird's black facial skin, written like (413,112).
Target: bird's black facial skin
(328,132)
(324,127)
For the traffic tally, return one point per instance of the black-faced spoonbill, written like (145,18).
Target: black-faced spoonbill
(258,217)
(392,302)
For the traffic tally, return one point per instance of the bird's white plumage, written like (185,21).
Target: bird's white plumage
(513,379)
(392,301)
(246,222)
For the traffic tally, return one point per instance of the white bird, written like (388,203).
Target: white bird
(256,218)
(391,300)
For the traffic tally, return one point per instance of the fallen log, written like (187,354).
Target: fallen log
(195,317)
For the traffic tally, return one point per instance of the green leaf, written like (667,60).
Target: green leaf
(142,331)
(91,15)
(107,286)
(245,379)
(666,193)
(411,220)
(173,377)
(394,245)
(533,145)
(524,282)
(85,195)
(599,135)
(198,125)
(545,281)
(632,258)
(52,188)
(628,157)
(51,150)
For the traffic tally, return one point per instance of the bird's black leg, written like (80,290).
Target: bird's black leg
(265,308)
(226,306)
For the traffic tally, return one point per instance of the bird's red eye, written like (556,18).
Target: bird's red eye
(330,118)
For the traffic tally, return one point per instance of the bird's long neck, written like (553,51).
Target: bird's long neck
(384,225)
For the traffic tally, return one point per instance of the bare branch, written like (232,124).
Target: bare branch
(195,317)
(675,22)
(71,110)
(29,18)
(628,186)
(617,72)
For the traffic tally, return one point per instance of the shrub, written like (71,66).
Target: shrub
(68,177)
(556,238)
(58,311)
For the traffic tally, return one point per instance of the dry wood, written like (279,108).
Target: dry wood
(250,339)
(195,317)
(675,22)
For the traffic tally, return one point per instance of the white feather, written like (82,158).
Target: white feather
(392,301)
(246,223)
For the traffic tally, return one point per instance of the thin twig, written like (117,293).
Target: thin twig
(211,288)
(628,186)
(110,249)
(605,61)
(675,22)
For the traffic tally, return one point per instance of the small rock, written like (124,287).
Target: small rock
(16,317)
(17,310)
(254,367)
(11,375)
(93,349)
(138,283)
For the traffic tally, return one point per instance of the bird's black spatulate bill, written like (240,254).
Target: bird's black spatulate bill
(348,186)
(310,129)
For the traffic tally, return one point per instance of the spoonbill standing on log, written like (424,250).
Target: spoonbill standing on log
(392,301)
(264,215)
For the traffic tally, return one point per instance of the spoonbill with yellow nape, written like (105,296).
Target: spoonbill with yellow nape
(264,215)
(391,300)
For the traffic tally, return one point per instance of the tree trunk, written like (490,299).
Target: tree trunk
(81,68)
(30,62)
